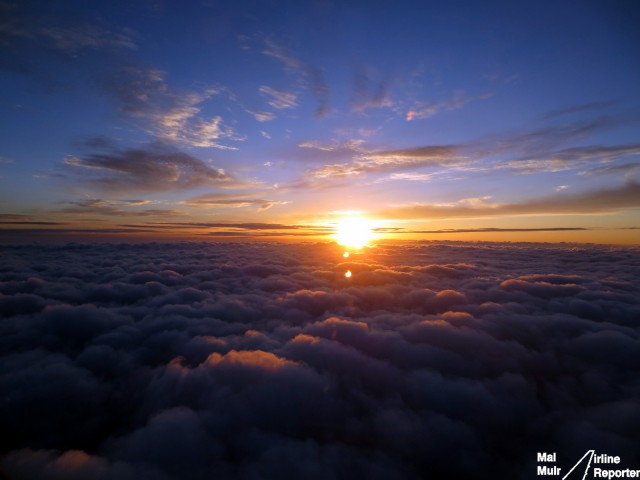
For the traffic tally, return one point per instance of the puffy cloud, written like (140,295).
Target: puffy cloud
(260,360)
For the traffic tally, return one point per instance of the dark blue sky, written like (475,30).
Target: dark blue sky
(422,115)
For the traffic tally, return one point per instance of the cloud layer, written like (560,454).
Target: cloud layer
(435,360)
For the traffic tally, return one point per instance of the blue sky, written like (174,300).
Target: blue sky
(426,116)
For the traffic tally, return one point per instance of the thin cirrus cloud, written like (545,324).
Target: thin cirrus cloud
(422,110)
(571,158)
(221,200)
(545,149)
(263,116)
(207,225)
(551,137)
(65,37)
(626,168)
(72,39)
(144,171)
(279,99)
(368,161)
(34,41)
(139,91)
(143,92)
(274,365)
(310,77)
(369,92)
(626,196)
(99,206)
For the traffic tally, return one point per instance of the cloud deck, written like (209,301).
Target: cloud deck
(248,361)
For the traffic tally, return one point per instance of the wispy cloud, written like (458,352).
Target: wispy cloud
(491,230)
(154,169)
(311,77)
(72,39)
(608,200)
(581,108)
(263,116)
(29,222)
(571,158)
(253,226)
(368,91)
(60,34)
(411,176)
(369,161)
(175,116)
(549,138)
(232,201)
(99,206)
(428,109)
(626,168)
(279,99)
(543,149)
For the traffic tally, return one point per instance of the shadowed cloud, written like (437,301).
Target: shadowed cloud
(232,201)
(145,170)
(189,361)
(615,199)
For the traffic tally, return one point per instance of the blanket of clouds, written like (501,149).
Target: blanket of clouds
(255,361)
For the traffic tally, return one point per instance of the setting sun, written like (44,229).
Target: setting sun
(354,232)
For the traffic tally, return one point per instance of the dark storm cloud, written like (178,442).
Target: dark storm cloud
(434,360)
(153,169)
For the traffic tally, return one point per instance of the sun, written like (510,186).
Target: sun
(354,232)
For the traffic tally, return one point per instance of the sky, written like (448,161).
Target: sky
(452,120)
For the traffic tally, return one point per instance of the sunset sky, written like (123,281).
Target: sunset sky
(453,120)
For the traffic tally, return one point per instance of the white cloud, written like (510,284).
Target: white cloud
(280,99)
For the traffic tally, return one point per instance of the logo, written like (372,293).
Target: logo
(590,465)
